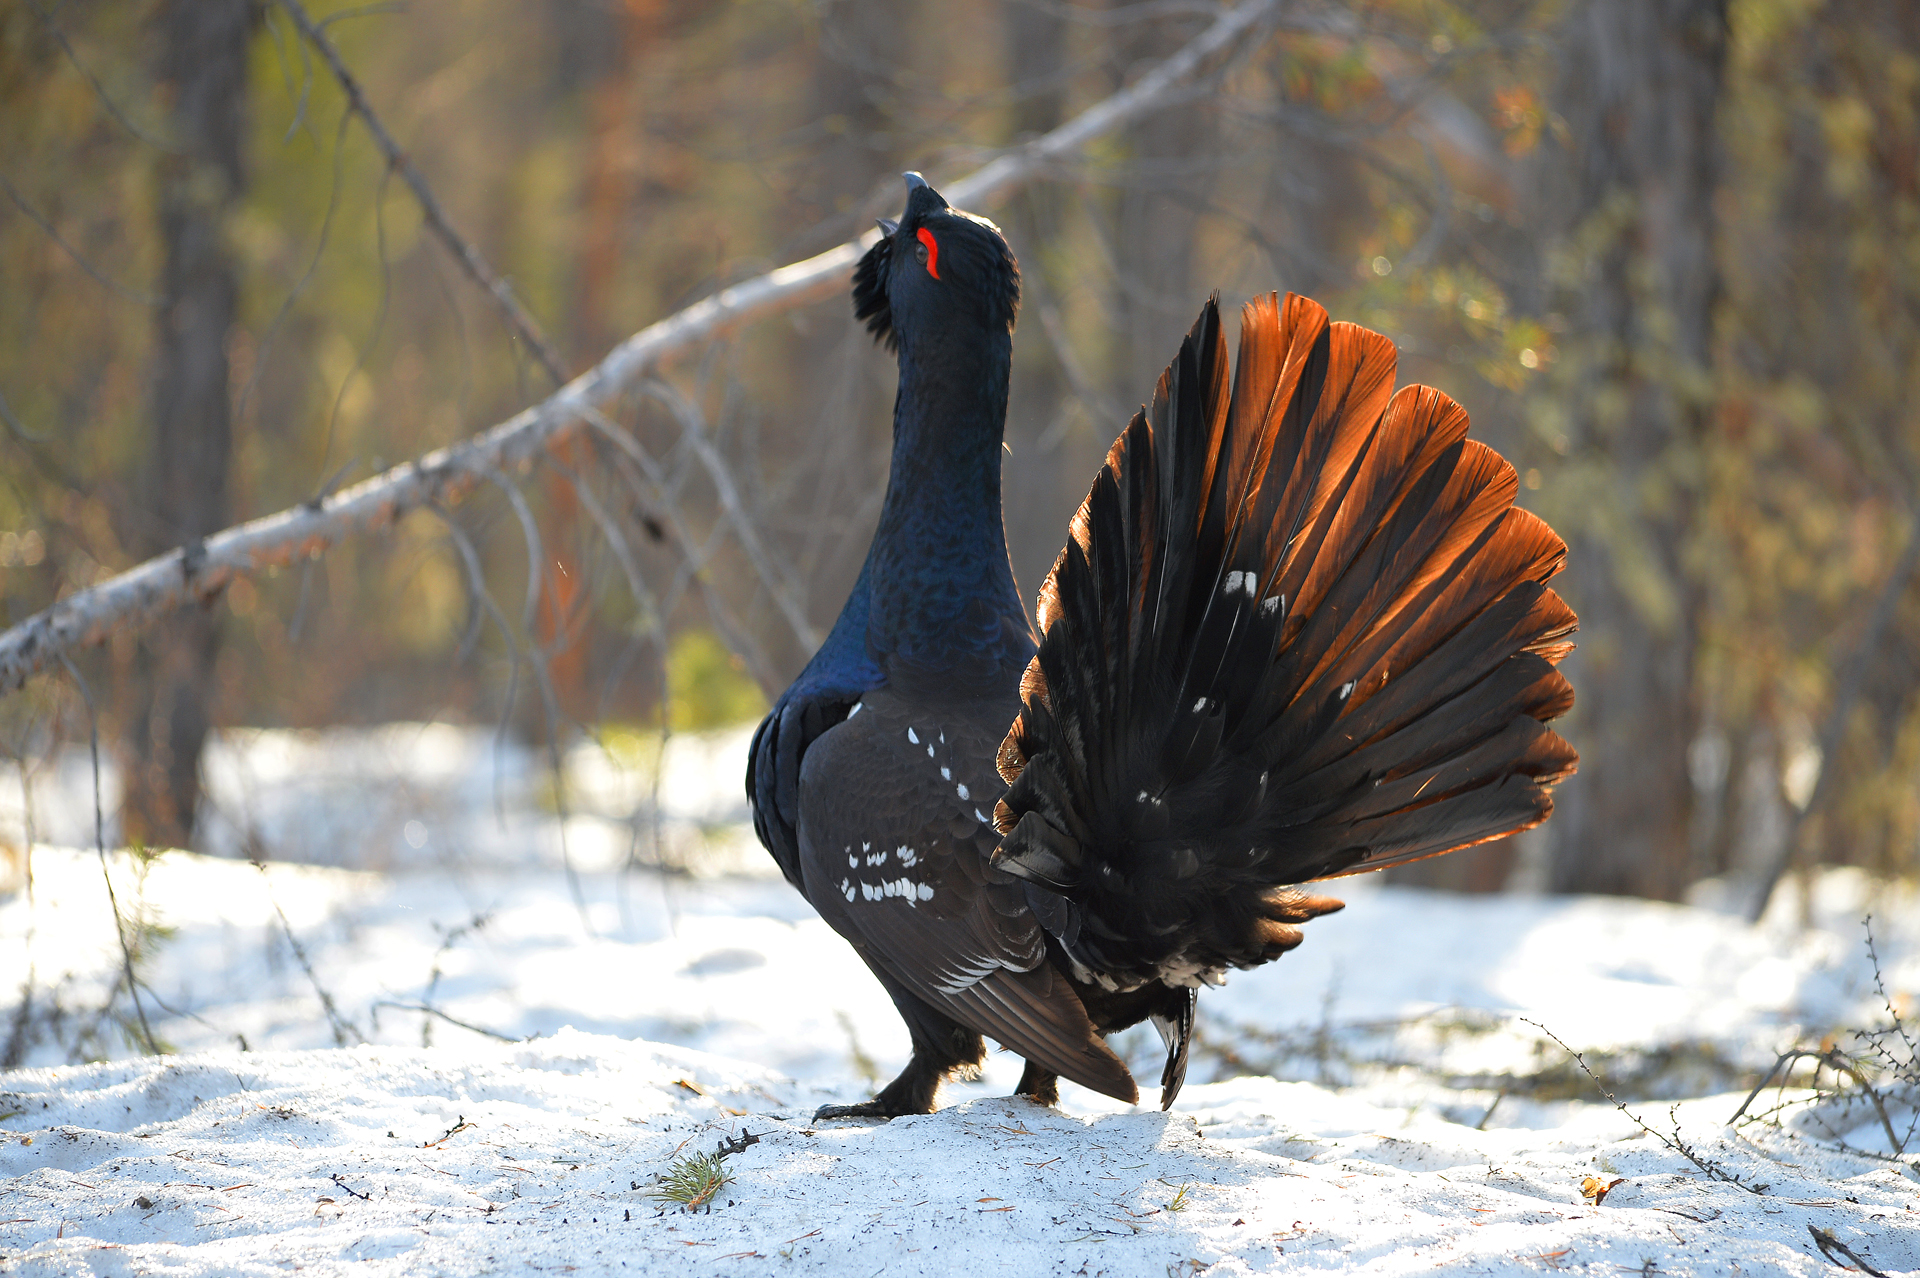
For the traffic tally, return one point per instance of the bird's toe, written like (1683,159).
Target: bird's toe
(865,1109)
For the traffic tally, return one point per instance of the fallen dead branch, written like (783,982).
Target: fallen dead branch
(199,571)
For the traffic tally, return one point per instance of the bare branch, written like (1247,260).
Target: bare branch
(778,580)
(148,1041)
(476,267)
(142,594)
(99,89)
(693,559)
(430,1010)
(650,617)
(79,259)
(483,599)
(542,678)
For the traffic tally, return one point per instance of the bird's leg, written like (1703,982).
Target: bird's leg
(934,1058)
(1040,1086)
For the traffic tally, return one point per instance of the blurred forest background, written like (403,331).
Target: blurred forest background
(1666,253)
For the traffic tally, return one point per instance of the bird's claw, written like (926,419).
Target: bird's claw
(865,1109)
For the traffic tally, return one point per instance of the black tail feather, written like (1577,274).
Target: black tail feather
(1299,630)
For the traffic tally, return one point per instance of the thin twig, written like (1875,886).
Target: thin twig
(483,598)
(430,1010)
(142,594)
(1828,1244)
(99,90)
(340,1025)
(1840,1063)
(1673,1142)
(777,580)
(99,276)
(693,562)
(543,679)
(264,351)
(650,618)
(100,845)
(476,267)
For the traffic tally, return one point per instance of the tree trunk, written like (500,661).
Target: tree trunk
(1630,193)
(202,68)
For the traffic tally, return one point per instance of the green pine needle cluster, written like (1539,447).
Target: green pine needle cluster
(692,1182)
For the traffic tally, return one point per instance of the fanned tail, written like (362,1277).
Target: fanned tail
(1299,630)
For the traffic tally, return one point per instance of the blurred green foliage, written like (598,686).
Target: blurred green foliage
(709,685)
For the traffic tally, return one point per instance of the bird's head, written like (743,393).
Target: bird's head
(935,266)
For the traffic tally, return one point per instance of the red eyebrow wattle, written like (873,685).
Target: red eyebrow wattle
(933,251)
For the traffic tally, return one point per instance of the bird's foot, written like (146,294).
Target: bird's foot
(865,1109)
(1039,1086)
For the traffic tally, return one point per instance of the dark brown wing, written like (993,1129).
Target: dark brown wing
(895,856)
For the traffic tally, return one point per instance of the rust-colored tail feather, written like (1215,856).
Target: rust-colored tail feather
(1300,630)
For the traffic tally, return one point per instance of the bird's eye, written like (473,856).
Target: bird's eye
(928,252)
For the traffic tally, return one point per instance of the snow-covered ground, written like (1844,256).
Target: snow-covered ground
(1421,1125)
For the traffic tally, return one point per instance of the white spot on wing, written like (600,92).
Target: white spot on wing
(1346,689)
(1200,706)
(946,774)
(858,706)
(980,816)
(913,736)
(961,790)
(908,857)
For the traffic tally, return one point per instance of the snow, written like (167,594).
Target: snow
(338,1160)
(1345,1114)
